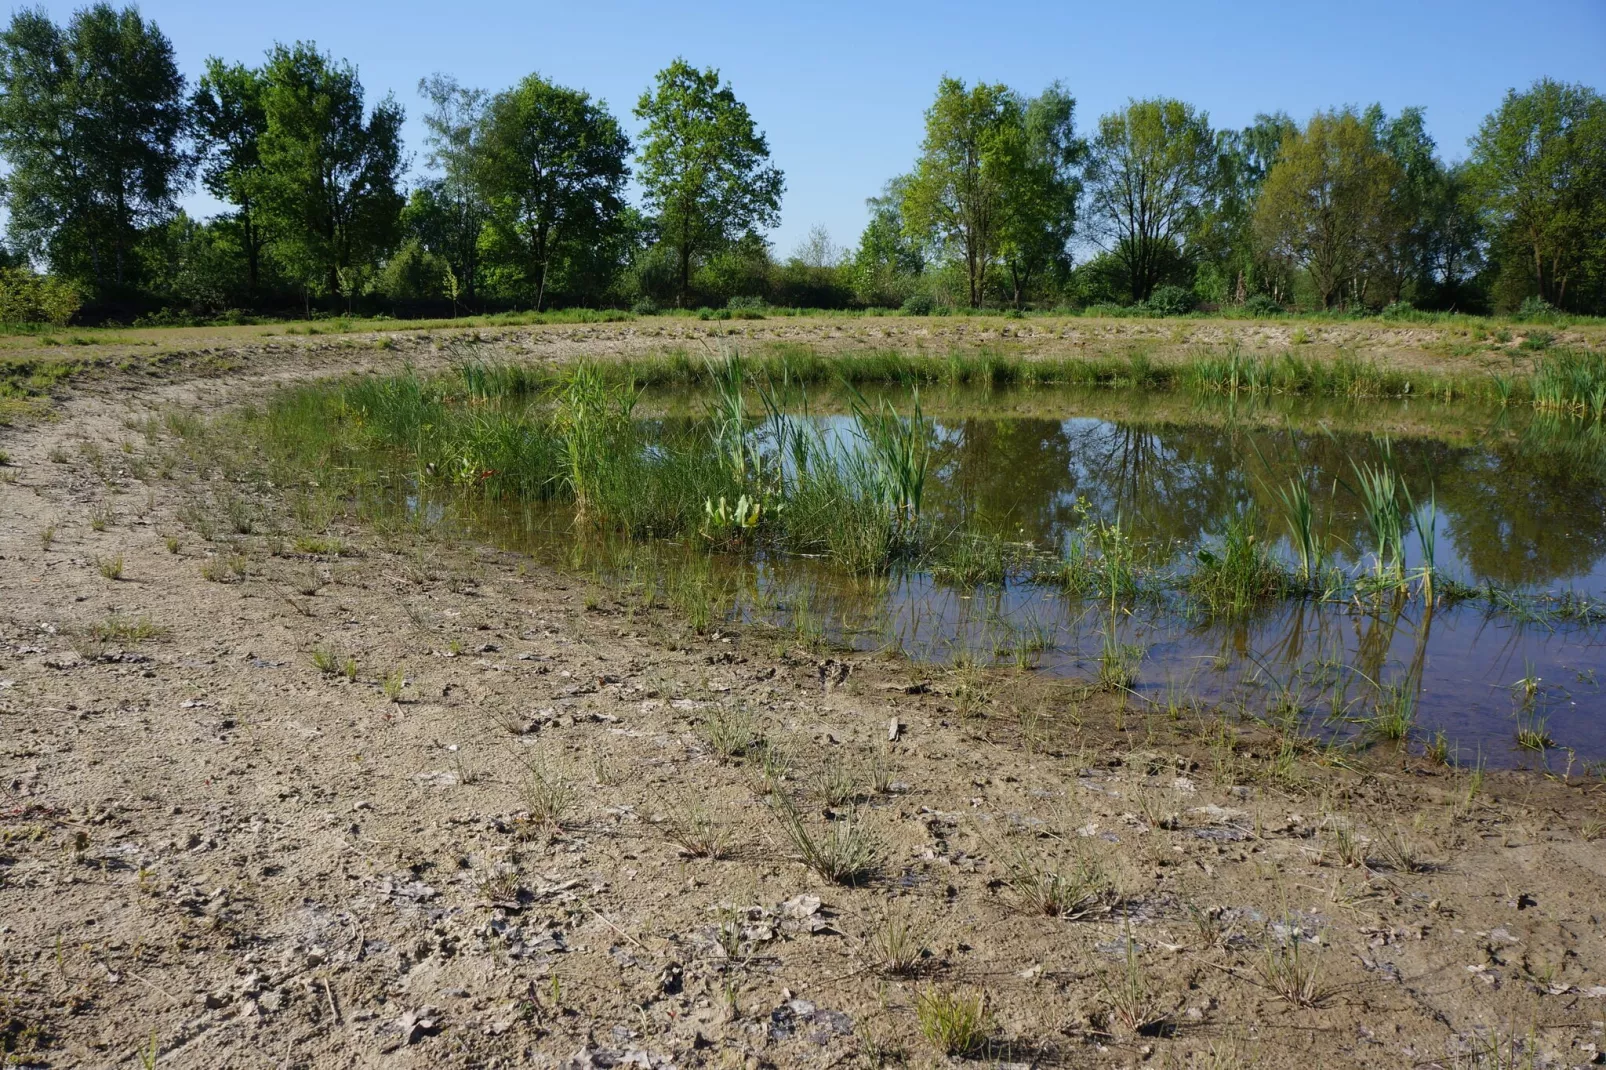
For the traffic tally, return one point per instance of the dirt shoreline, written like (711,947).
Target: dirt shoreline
(213,850)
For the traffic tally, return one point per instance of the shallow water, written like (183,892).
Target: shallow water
(1518,504)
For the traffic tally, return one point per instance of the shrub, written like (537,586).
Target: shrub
(1536,308)
(644,306)
(1262,305)
(1397,310)
(740,304)
(26,297)
(919,305)
(706,313)
(1170,301)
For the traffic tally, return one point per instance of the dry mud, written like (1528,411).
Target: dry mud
(215,854)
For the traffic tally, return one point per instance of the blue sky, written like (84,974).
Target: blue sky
(840,88)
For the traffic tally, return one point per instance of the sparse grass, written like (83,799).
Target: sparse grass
(548,795)
(325,660)
(225,568)
(843,853)
(1397,850)
(1438,749)
(1395,714)
(395,681)
(102,516)
(1289,970)
(955,1022)
(1118,665)
(838,784)
(319,545)
(1084,889)
(1132,1005)
(1347,846)
(172,543)
(110,567)
(47,535)
(1533,732)
(730,732)
(898,943)
(695,832)
(119,629)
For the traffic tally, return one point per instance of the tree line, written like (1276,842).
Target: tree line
(523,201)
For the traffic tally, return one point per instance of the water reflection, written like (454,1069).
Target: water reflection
(1520,504)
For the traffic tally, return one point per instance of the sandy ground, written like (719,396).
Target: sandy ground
(475,843)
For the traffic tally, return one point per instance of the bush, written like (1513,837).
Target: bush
(1396,310)
(166,317)
(919,305)
(747,308)
(1262,305)
(1536,308)
(644,306)
(1170,301)
(29,298)
(706,313)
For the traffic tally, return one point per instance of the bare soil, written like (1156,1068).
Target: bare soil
(214,853)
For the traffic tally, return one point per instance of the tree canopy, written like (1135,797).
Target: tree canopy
(705,167)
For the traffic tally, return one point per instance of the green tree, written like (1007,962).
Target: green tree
(330,169)
(1041,194)
(1403,262)
(229,121)
(974,150)
(887,260)
(551,164)
(705,167)
(447,212)
(92,120)
(1222,239)
(1148,177)
(1538,165)
(1326,206)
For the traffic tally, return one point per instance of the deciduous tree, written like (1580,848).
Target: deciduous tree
(551,164)
(92,121)
(330,168)
(1325,206)
(705,166)
(1041,194)
(447,212)
(229,119)
(1538,165)
(1148,177)
(974,150)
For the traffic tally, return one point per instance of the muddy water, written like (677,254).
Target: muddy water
(1518,505)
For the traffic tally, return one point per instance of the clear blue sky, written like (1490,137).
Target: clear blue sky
(840,88)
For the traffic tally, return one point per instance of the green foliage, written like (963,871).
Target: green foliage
(551,165)
(919,305)
(413,273)
(972,152)
(330,168)
(92,117)
(29,298)
(1170,301)
(229,120)
(1538,168)
(705,166)
(1147,176)
(1327,206)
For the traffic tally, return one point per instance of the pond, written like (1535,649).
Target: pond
(1503,663)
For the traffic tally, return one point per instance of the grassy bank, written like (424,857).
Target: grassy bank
(1561,380)
(753,473)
